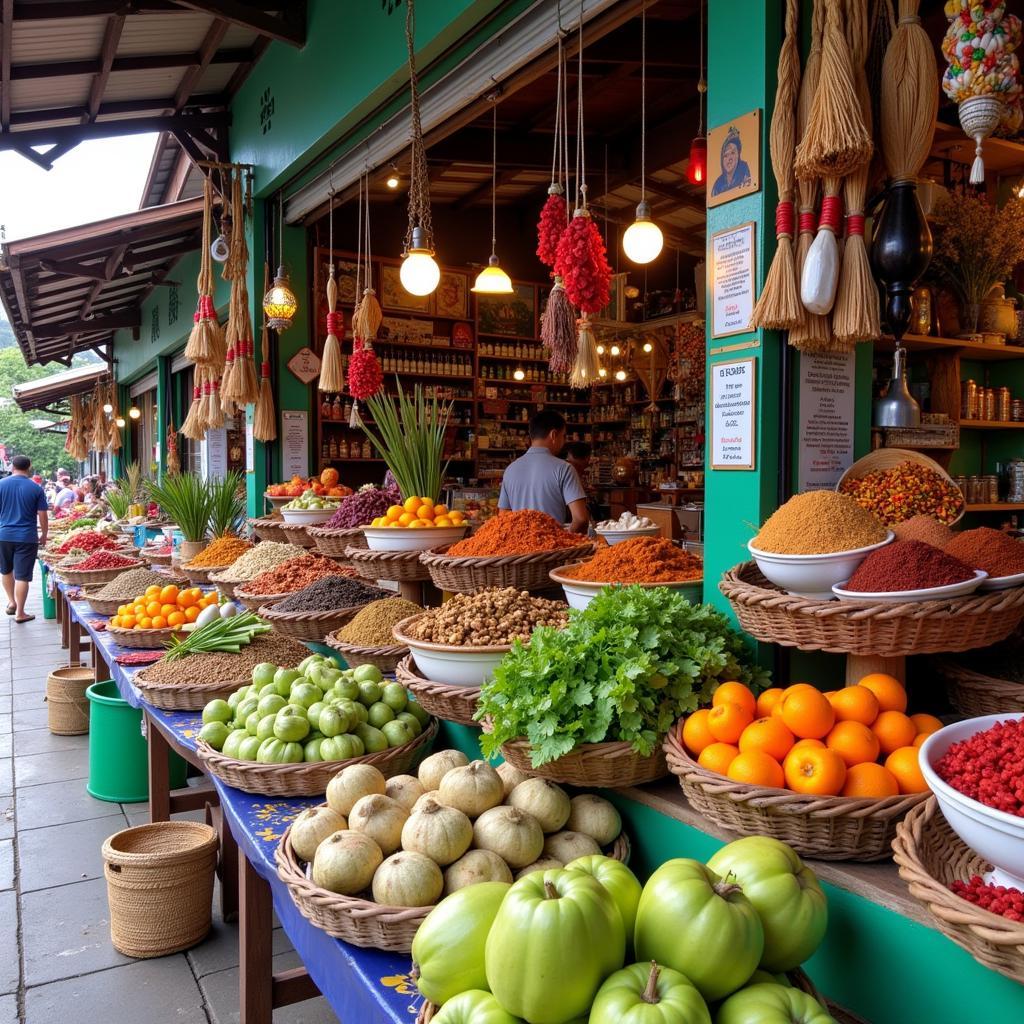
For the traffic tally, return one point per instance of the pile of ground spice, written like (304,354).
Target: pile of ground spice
(295,574)
(222,551)
(129,585)
(87,540)
(361,508)
(104,560)
(229,668)
(819,523)
(372,626)
(639,560)
(327,594)
(901,492)
(924,528)
(995,552)
(516,533)
(263,556)
(493,617)
(907,565)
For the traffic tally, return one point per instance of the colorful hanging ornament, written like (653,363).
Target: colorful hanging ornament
(554,214)
(583,263)
(365,376)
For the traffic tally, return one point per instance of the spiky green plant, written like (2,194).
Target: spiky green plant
(131,482)
(410,438)
(227,504)
(186,500)
(118,500)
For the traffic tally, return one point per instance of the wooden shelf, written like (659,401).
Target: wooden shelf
(991,425)
(1001,155)
(422,347)
(513,359)
(954,346)
(997,506)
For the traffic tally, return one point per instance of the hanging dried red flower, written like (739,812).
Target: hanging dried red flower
(365,377)
(583,265)
(550,228)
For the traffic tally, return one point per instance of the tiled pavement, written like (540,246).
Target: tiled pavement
(56,960)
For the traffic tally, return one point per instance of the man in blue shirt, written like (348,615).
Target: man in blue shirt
(22,506)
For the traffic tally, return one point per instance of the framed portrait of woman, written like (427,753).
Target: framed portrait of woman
(734,159)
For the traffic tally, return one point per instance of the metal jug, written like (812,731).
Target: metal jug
(897,406)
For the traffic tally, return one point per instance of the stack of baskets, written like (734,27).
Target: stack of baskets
(466,575)
(66,703)
(269,528)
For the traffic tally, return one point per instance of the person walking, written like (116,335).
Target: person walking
(22,509)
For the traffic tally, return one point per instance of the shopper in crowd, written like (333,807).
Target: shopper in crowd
(22,508)
(65,495)
(542,481)
(578,454)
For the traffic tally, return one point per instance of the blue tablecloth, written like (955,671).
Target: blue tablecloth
(365,985)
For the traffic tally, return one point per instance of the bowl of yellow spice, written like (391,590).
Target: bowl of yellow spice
(816,540)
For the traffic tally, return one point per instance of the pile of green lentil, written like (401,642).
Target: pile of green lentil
(231,669)
(372,626)
(488,618)
(327,594)
(266,555)
(130,584)
(819,523)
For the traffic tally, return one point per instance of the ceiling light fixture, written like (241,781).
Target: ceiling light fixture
(643,240)
(697,169)
(419,272)
(648,347)
(492,280)
(616,351)
(602,372)
(108,407)
(620,374)
(119,422)
(135,412)
(392,180)
(279,303)
(519,373)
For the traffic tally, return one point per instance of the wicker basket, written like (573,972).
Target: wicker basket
(384,658)
(82,579)
(308,779)
(226,587)
(155,559)
(269,528)
(256,601)
(295,533)
(931,856)
(452,703)
(860,627)
(975,694)
(524,572)
(200,576)
(185,696)
(334,543)
(101,606)
(143,639)
(398,566)
(889,458)
(67,707)
(313,626)
(160,886)
(825,827)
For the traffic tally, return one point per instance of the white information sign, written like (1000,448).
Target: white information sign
(827,382)
(250,448)
(733,406)
(213,454)
(294,443)
(732,280)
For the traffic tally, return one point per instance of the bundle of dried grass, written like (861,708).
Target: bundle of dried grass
(779,307)
(332,372)
(880,31)
(558,330)
(206,343)
(98,435)
(584,369)
(191,426)
(214,415)
(264,426)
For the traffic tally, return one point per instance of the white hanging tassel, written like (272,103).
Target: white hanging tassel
(355,420)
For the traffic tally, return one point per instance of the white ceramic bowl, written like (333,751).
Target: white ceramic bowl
(579,593)
(456,666)
(994,835)
(812,576)
(1003,582)
(307,517)
(618,536)
(901,596)
(386,538)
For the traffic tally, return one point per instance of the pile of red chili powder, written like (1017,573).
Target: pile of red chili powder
(907,565)
(992,550)
(989,767)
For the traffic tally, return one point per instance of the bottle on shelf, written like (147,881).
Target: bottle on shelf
(336,409)
(325,408)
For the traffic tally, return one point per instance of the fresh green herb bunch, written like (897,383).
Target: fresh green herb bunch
(187,500)
(625,668)
(227,505)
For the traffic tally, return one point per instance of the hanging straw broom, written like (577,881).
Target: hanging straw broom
(264,427)
(99,433)
(206,342)
(247,383)
(332,376)
(190,426)
(367,316)
(558,330)
(855,316)
(241,386)
(113,430)
(813,332)
(779,307)
(880,31)
(214,410)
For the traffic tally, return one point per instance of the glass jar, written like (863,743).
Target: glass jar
(989,412)
(968,399)
(1003,405)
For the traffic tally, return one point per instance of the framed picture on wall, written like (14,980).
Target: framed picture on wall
(394,296)
(512,315)
(734,159)
(451,298)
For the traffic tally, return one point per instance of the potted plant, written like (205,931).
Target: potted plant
(227,505)
(187,501)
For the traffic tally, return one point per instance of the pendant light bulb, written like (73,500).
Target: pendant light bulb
(697,169)
(616,351)
(135,412)
(108,408)
(419,272)
(620,374)
(280,304)
(392,180)
(602,372)
(648,347)
(519,374)
(600,350)
(119,422)
(492,280)
(643,239)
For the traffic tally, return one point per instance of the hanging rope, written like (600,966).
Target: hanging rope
(332,374)
(553,214)
(419,185)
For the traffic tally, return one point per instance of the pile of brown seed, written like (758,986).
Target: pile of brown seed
(230,669)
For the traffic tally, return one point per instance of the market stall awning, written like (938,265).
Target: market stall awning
(49,393)
(69,291)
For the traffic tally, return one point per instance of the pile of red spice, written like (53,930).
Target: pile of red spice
(295,574)
(1004,900)
(87,540)
(989,767)
(639,560)
(104,560)
(992,550)
(907,565)
(516,533)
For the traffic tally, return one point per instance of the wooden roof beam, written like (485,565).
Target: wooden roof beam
(133,62)
(288,27)
(209,46)
(113,261)
(67,268)
(85,8)
(115,107)
(111,39)
(109,322)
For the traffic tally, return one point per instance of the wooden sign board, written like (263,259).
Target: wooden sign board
(305,364)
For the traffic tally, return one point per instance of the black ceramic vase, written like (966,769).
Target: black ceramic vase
(901,248)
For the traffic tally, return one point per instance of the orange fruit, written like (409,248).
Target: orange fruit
(855,704)
(442,521)
(813,771)
(889,690)
(695,734)
(920,738)
(128,621)
(167,609)
(926,724)
(870,780)
(153,608)
(854,742)
(186,599)
(735,693)
(406,518)
(410,505)
(426,512)
(807,712)
(139,609)
(159,622)
(770,736)
(115,622)
(176,619)
(169,594)
(727,721)
(905,765)
(767,700)
(153,591)
(144,623)
(191,613)
(808,744)
(717,757)
(894,730)
(756,768)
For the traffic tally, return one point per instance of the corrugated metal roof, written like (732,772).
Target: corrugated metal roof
(47,391)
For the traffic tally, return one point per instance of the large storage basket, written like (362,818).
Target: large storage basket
(66,702)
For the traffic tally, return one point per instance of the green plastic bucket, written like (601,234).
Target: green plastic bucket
(49,605)
(118,752)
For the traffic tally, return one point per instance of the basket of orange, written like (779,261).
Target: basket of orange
(154,617)
(832,774)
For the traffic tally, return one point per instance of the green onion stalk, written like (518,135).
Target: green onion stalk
(222,636)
